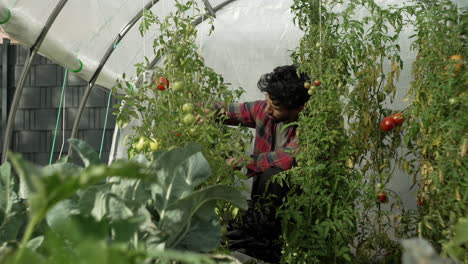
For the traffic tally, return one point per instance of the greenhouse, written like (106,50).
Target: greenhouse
(234,131)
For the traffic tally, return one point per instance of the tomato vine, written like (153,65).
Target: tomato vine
(184,80)
(438,133)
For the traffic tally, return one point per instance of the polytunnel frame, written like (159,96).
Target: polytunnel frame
(19,88)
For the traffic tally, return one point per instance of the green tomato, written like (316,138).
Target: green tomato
(121,123)
(311,90)
(154,144)
(141,144)
(178,86)
(388,89)
(187,107)
(189,119)
(380,186)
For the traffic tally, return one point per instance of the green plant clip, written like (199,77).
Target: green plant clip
(7,18)
(80,68)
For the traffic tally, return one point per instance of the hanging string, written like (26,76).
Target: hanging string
(320,34)
(105,123)
(63,125)
(64,85)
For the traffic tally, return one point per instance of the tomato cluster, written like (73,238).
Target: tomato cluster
(312,88)
(162,83)
(388,123)
(144,143)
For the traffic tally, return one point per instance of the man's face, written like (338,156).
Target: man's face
(279,112)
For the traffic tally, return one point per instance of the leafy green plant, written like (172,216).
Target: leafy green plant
(13,214)
(145,210)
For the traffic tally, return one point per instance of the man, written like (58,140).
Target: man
(275,144)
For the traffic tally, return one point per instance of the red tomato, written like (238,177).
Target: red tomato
(165,81)
(420,202)
(382,196)
(317,83)
(399,118)
(161,87)
(178,134)
(387,124)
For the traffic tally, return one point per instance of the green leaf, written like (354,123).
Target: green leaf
(86,152)
(35,243)
(461,231)
(14,222)
(204,232)
(60,212)
(177,218)
(50,185)
(178,172)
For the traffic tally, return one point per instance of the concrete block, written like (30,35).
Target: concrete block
(21,120)
(44,75)
(14,74)
(31,98)
(45,119)
(97,98)
(71,115)
(31,141)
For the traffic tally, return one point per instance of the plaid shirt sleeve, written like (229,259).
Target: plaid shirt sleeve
(241,113)
(282,158)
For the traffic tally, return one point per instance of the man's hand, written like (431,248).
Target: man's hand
(235,163)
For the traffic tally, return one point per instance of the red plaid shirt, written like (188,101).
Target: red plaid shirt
(265,154)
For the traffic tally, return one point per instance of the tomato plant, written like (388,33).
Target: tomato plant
(189,87)
(358,59)
(438,130)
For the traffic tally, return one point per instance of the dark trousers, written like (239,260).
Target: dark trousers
(267,193)
(258,231)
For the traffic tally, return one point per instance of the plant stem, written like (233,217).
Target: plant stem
(36,218)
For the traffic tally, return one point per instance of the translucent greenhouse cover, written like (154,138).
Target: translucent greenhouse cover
(249,34)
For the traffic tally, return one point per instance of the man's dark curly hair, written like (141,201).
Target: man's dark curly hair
(286,86)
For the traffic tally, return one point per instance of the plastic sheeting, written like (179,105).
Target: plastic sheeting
(84,30)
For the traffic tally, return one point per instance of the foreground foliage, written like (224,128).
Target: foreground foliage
(127,212)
